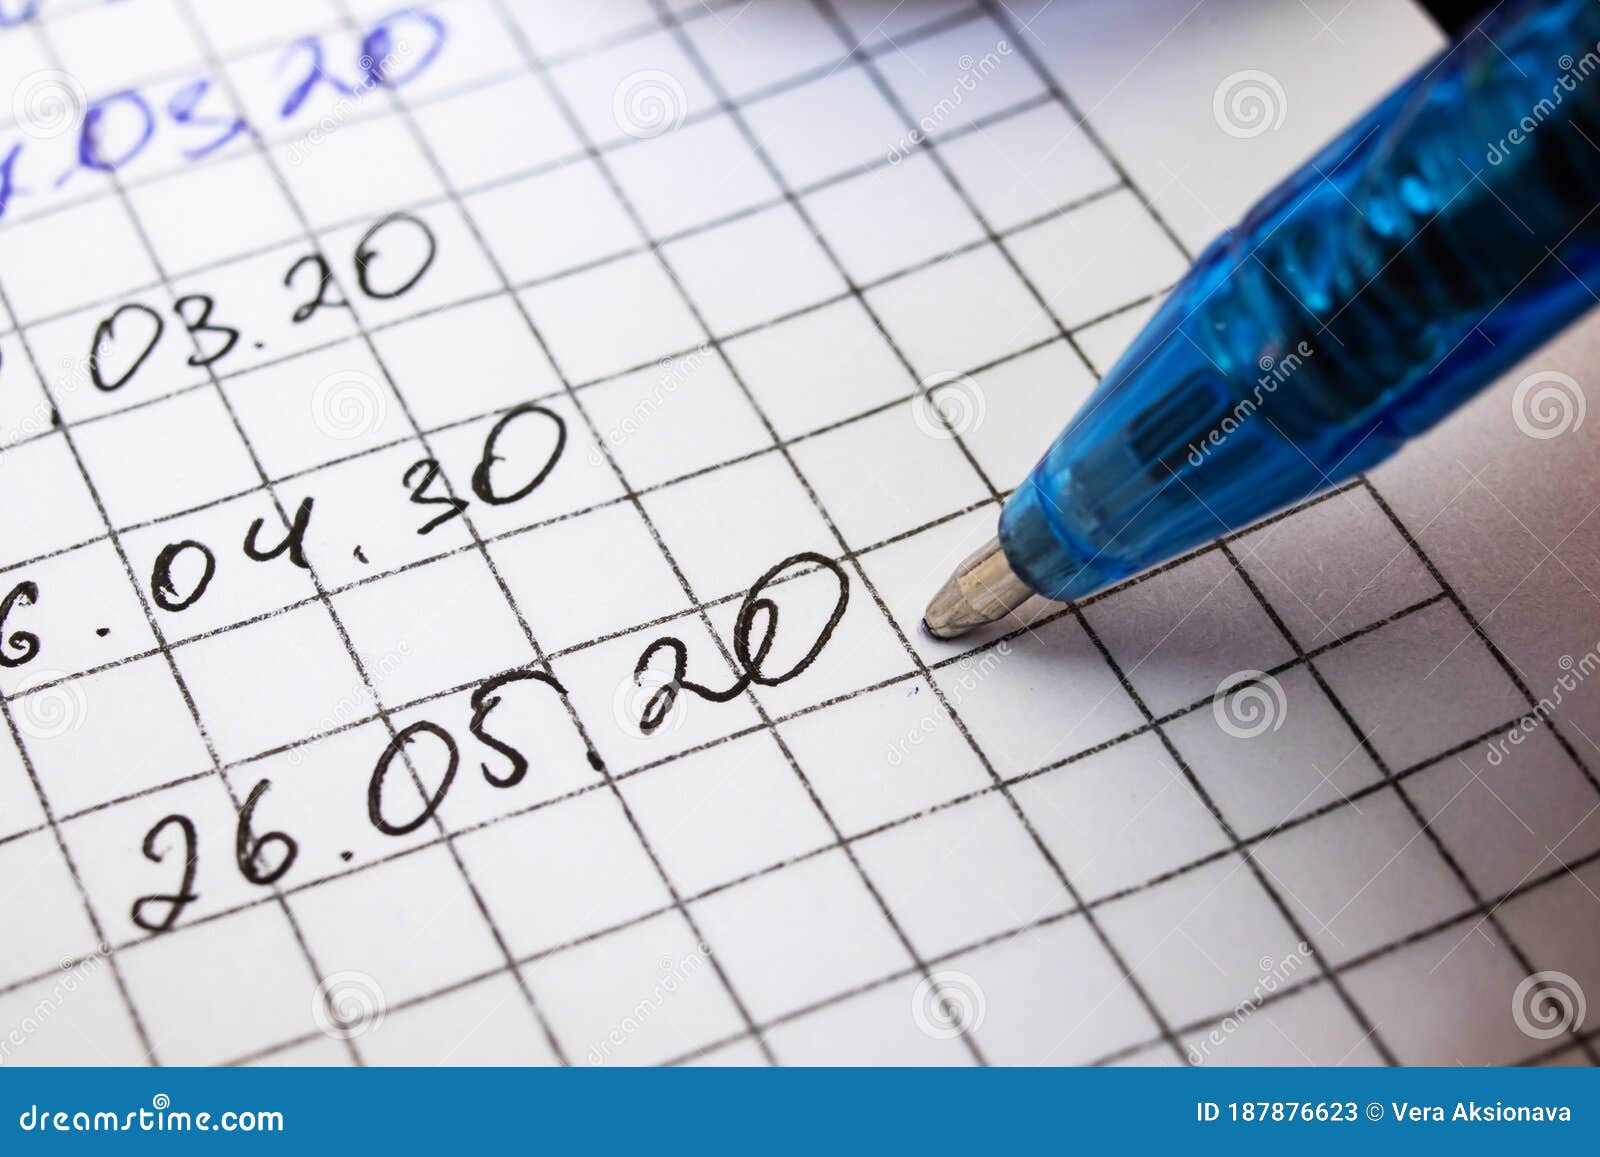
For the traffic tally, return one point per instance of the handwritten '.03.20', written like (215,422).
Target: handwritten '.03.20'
(183,571)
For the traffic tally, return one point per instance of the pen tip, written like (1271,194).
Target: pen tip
(983,589)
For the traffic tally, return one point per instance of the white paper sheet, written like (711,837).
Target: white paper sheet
(709,263)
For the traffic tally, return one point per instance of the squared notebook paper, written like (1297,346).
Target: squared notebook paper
(472,475)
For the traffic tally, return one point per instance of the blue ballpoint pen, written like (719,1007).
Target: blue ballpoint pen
(1430,246)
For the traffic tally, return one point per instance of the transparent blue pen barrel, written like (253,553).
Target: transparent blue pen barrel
(1432,245)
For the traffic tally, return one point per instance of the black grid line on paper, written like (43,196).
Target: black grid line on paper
(1435,839)
(799,209)
(1353,799)
(385,715)
(952,661)
(1006,19)
(177,675)
(1272,887)
(1227,551)
(139,1028)
(1193,781)
(438,823)
(702,9)
(1528,886)
(340,224)
(1350,800)
(51,424)
(148,1043)
(554,90)
(133,1012)
(1239,843)
(672,887)
(1283,993)
(367,116)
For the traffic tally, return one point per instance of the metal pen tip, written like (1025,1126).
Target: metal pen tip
(983,589)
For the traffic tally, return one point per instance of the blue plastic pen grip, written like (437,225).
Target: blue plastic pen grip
(1433,244)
